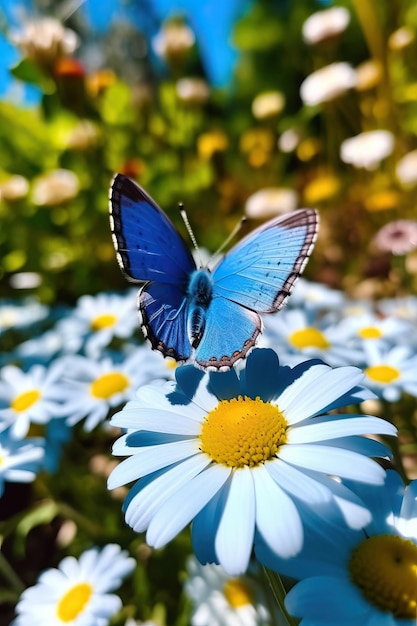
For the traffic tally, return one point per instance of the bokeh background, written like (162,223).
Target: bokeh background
(233,107)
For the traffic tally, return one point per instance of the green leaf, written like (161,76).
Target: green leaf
(28,72)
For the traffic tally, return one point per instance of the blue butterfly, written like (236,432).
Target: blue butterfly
(187,312)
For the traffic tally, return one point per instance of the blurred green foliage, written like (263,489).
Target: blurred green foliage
(205,147)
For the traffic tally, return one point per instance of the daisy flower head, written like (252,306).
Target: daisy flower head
(77,592)
(325,25)
(300,335)
(29,397)
(367,149)
(19,460)
(367,577)
(235,451)
(105,316)
(369,326)
(398,237)
(222,600)
(390,370)
(327,84)
(91,388)
(27,312)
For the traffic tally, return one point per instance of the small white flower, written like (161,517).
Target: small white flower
(100,318)
(406,169)
(45,40)
(328,83)
(173,41)
(271,201)
(325,24)
(222,600)
(298,335)
(27,312)
(368,149)
(390,371)
(14,188)
(33,396)
(19,460)
(92,388)
(193,90)
(77,592)
(289,140)
(268,104)
(55,187)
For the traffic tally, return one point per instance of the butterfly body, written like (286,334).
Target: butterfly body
(211,316)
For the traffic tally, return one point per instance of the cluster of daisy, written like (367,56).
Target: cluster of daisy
(266,459)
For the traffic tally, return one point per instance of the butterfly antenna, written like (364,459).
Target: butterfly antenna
(191,235)
(230,237)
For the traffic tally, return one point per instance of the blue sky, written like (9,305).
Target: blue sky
(211,20)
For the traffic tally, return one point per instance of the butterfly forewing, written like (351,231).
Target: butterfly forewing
(259,272)
(149,247)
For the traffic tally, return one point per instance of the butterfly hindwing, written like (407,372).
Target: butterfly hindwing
(231,332)
(164,313)
(149,247)
(259,272)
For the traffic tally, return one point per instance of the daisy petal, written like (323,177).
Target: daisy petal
(181,507)
(277,518)
(234,539)
(334,461)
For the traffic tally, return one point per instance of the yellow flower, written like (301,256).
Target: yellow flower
(321,188)
(211,142)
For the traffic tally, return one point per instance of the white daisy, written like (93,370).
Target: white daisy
(390,371)
(367,577)
(19,460)
(236,451)
(32,396)
(368,149)
(105,316)
(271,201)
(369,326)
(326,24)
(92,388)
(298,334)
(327,83)
(27,312)
(222,600)
(77,592)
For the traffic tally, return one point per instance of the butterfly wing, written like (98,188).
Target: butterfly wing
(151,251)
(256,276)
(230,333)
(148,246)
(259,272)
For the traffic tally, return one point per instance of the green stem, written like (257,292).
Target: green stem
(8,573)
(279,592)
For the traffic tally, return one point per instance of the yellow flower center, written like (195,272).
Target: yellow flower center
(73,602)
(237,592)
(109,384)
(384,567)
(25,400)
(243,432)
(106,320)
(308,338)
(383,374)
(369,332)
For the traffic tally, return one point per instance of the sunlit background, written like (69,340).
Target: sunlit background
(235,108)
